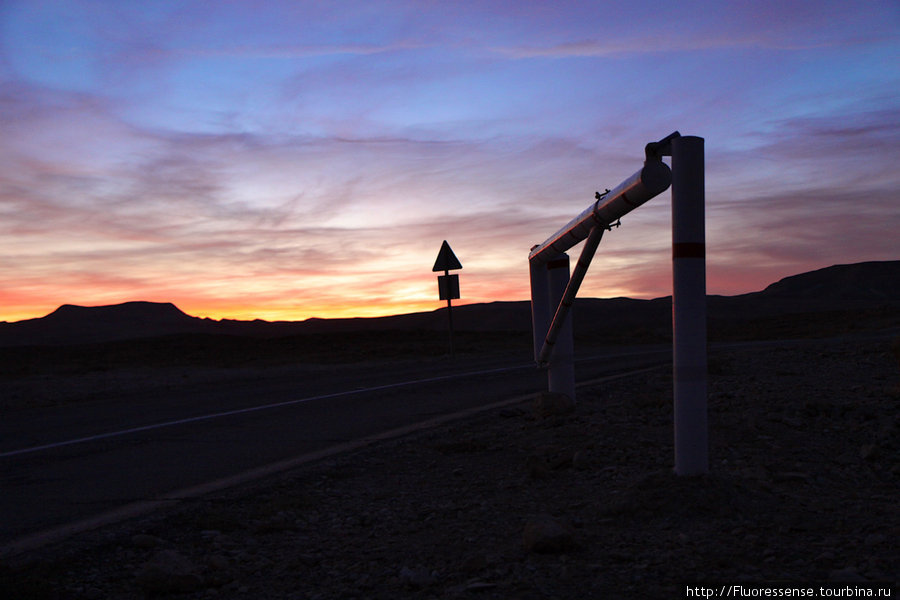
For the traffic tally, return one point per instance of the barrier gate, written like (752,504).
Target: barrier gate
(553,290)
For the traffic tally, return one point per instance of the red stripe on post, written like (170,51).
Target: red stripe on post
(689,250)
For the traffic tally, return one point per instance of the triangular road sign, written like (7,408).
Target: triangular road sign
(446,260)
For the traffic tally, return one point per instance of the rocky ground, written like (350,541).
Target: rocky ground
(805,452)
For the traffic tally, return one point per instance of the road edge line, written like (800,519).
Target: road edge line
(143,507)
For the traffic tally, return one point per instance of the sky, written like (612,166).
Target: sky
(296,159)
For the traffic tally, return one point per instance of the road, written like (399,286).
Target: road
(64,469)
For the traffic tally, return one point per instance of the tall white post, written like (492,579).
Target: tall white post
(561,368)
(689,306)
(541,311)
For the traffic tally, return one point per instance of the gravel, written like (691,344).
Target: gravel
(518,503)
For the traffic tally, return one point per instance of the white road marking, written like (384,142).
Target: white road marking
(36,540)
(101,436)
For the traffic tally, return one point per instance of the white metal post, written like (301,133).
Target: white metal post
(561,368)
(689,306)
(540,304)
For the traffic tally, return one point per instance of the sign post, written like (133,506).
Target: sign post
(448,285)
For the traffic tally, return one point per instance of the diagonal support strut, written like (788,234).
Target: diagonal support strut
(562,311)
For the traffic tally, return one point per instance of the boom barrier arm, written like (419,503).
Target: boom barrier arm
(653,179)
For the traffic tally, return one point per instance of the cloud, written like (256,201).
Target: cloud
(704,26)
(861,138)
(192,211)
(361,219)
(618,47)
(286,51)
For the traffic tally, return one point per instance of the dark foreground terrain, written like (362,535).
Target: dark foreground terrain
(805,447)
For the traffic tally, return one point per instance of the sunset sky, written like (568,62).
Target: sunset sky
(284,160)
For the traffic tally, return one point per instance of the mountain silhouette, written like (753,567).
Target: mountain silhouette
(132,313)
(85,324)
(861,284)
(837,289)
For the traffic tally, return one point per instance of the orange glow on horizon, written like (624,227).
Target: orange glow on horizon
(287,313)
(232,311)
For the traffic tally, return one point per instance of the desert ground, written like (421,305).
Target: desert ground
(512,503)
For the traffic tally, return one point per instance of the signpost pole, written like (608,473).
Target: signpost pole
(449,315)
(448,285)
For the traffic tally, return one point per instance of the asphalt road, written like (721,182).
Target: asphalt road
(62,467)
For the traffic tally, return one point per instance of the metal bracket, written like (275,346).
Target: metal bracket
(598,196)
(656,150)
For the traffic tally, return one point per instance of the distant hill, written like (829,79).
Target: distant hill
(839,287)
(70,324)
(139,317)
(866,287)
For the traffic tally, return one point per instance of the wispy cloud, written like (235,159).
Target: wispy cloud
(600,48)
(286,51)
(710,27)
